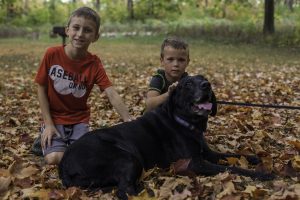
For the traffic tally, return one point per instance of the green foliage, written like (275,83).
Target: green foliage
(113,11)
(37,17)
(168,9)
(237,20)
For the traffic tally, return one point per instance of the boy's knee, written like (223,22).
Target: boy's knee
(54,158)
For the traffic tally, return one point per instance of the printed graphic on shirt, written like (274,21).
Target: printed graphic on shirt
(67,82)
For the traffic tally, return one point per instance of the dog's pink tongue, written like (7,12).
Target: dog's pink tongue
(205,106)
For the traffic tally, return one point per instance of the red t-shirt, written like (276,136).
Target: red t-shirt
(69,84)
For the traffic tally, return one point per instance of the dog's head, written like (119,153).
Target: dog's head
(192,100)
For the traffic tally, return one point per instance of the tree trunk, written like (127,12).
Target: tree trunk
(269,27)
(150,7)
(25,7)
(289,4)
(10,11)
(130,9)
(97,5)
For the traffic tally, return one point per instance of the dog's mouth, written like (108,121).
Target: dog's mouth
(201,108)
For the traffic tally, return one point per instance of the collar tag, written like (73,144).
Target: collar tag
(184,123)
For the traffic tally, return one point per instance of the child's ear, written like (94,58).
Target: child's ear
(161,59)
(67,30)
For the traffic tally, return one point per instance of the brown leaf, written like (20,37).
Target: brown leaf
(4,173)
(35,193)
(4,184)
(288,170)
(73,193)
(232,197)
(250,189)
(143,195)
(259,194)
(295,143)
(23,183)
(19,170)
(228,189)
(296,163)
(232,160)
(171,184)
(58,195)
(14,121)
(259,150)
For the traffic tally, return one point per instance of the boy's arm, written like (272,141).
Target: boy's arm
(117,103)
(154,98)
(50,129)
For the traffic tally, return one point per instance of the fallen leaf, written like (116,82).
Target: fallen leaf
(4,184)
(250,189)
(296,163)
(228,189)
(35,193)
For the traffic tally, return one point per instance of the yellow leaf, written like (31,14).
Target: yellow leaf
(243,162)
(19,170)
(30,193)
(296,162)
(232,160)
(228,190)
(250,189)
(26,172)
(143,195)
(295,143)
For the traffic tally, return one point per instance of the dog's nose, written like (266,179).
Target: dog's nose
(205,84)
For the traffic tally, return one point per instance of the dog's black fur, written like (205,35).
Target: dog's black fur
(116,156)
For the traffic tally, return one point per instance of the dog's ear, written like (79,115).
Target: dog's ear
(214,108)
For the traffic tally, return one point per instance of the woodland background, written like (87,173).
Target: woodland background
(245,56)
(239,20)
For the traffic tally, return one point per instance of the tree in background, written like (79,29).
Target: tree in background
(97,5)
(236,18)
(269,27)
(289,4)
(130,9)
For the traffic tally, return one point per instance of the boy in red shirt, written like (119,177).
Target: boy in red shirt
(65,79)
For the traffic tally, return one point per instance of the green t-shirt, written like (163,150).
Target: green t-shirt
(160,83)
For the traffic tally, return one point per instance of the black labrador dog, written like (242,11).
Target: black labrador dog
(116,156)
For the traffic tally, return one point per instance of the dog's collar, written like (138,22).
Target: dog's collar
(184,123)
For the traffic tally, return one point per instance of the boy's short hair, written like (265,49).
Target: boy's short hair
(176,43)
(88,13)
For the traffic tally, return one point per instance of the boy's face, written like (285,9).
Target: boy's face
(174,61)
(82,32)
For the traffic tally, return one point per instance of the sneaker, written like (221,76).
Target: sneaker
(36,147)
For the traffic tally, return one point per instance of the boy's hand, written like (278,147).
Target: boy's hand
(47,136)
(172,87)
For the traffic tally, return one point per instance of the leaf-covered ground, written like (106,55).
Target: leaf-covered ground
(245,73)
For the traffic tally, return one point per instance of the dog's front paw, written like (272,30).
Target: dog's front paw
(121,195)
